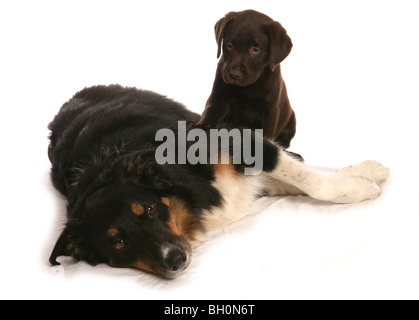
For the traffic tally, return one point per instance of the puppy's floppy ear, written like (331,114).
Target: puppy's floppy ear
(280,44)
(219,29)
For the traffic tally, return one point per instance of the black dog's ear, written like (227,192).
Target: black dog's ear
(70,243)
(219,29)
(143,170)
(280,44)
(158,177)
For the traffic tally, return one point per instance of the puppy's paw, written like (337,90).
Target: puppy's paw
(372,170)
(197,125)
(352,189)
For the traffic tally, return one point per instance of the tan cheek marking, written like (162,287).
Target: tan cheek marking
(143,266)
(180,221)
(167,201)
(225,169)
(173,222)
(113,232)
(137,208)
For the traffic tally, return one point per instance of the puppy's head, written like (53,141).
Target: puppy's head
(126,224)
(251,43)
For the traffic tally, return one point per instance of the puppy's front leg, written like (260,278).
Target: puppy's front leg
(337,188)
(212,115)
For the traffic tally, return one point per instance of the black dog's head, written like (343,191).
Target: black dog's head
(127,224)
(251,43)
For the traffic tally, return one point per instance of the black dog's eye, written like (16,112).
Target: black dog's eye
(120,244)
(151,208)
(255,50)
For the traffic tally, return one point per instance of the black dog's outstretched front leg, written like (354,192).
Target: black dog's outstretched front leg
(350,185)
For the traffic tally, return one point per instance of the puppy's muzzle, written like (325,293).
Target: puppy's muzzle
(235,74)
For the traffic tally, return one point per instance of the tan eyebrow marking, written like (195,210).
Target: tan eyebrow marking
(137,208)
(113,232)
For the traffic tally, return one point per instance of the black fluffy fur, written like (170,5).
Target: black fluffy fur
(102,149)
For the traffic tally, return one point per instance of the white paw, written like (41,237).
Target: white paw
(346,189)
(352,189)
(372,170)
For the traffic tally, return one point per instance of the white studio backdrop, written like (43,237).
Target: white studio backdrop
(352,79)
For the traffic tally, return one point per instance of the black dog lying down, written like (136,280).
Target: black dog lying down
(127,210)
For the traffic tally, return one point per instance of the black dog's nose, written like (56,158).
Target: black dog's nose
(175,259)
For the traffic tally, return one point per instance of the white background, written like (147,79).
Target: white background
(352,78)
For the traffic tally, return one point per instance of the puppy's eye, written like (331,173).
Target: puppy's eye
(229,46)
(120,244)
(255,50)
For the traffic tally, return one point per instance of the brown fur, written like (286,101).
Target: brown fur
(248,90)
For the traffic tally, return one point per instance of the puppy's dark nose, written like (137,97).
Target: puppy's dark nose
(235,74)
(175,259)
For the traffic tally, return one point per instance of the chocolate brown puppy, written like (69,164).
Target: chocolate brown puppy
(248,90)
